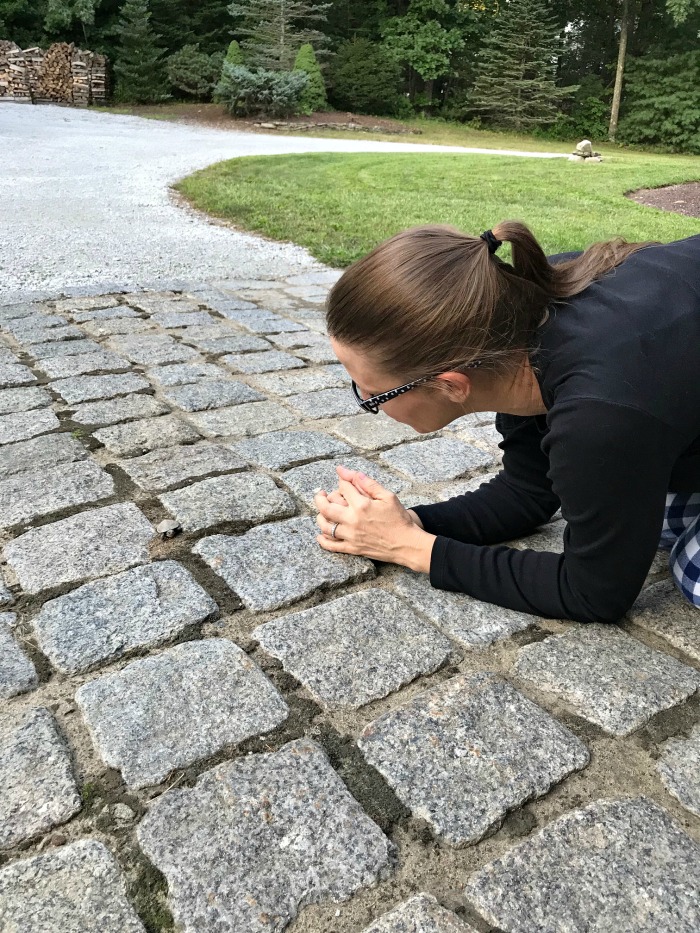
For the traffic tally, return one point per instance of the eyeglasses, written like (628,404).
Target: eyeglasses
(372,403)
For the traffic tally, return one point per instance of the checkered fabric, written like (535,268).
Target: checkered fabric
(681,533)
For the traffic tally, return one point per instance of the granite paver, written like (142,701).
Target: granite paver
(77,389)
(23,425)
(466,752)
(76,889)
(16,400)
(119,326)
(613,865)
(17,673)
(316,355)
(175,319)
(164,468)
(679,767)
(355,649)
(177,707)
(661,609)
(138,437)
(148,349)
(245,420)
(241,498)
(48,351)
(609,678)
(261,323)
(27,496)
(371,432)
(81,547)
(420,914)
(280,450)
(37,786)
(41,333)
(211,393)
(14,374)
(103,314)
(103,620)
(177,374)
(224,341)
(301,565)
(59,367)
(258,838)
(124,408)
(321,474)
(471,622)
(297,383)
(301,338)
(45,451)
(263,362)
(436,460)
(86,303)
(326,403)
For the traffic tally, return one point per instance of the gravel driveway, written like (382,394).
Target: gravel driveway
(84,201)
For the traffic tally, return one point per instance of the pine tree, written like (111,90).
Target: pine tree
(273,30)
(139,66)
(517,68)
(234,56)
(313,96)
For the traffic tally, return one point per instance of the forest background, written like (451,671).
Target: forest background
(627,70)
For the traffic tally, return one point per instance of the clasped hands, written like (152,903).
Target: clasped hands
(371,523)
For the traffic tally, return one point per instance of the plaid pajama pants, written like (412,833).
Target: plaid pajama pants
(681,534)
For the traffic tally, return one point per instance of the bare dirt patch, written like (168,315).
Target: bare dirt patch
(681,199)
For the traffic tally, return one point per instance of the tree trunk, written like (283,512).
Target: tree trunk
(622,52)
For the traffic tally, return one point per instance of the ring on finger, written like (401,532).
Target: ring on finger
(335,525)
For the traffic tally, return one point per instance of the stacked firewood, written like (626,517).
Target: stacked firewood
(62,74)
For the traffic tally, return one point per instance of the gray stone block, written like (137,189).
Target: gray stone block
(277,564)
(86,304)
(26,496)
(6,356)
(16,400)
(175,319)
(120,326)
(466,752)
(164,304)
(172,709)
(263,362)
(261,322)
(77,389)
(37,334)
(372,432)
(242,498)
(104,314)
(60,367)
(327,403)
(17,673)
(161,469)
(103,620)
(183,373)
(295,383)
(316,355)
(138,437)
(679,767)
(75,889)
(48,351)
(420,914)
(20,426)
(607,677)
(113,410)
(13,374)
(471,622)
(6,597)
(436,460)
(355,649)
(211,393)
(661,609)
(305,480)
(82,547)
(46,451)
(282,449)
(302,338)
(37,787)
(227,342)
(257,839)
(245,420)
(613,865)
(150,349)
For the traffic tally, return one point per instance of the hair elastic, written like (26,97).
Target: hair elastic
(492,241)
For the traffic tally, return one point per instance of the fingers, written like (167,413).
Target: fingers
(329,510)
(337,545)
(328,526)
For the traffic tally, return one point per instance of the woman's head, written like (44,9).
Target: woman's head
(432,299)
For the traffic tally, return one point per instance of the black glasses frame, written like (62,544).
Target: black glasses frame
(372,403)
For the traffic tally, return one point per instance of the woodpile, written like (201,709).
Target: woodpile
(62,74)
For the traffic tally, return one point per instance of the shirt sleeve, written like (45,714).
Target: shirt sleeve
(610,467)
(513,503)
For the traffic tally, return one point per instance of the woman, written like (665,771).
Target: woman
(592,361)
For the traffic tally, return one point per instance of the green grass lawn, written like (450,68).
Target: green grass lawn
(339,206)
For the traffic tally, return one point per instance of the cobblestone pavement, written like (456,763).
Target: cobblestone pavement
(232,731)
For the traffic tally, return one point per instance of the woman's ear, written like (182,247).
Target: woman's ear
(456,386)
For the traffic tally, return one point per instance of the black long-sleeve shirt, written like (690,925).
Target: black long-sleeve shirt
(619,370)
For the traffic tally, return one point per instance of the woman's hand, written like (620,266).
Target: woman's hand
(371,523)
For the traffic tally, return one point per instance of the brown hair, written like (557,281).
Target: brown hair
(432,299)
